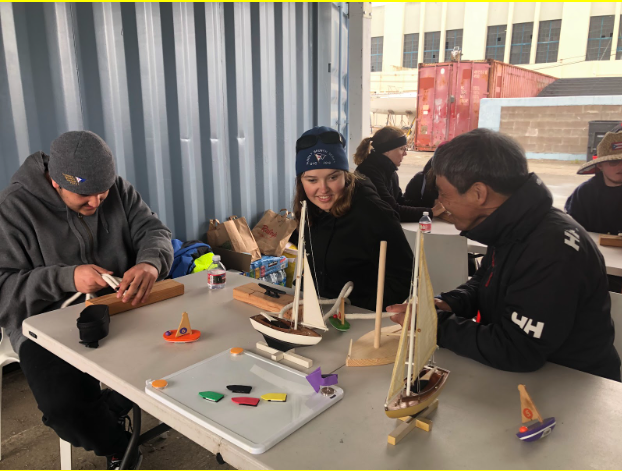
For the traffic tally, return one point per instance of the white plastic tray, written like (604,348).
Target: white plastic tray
(254,429)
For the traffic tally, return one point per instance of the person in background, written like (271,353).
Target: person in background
(347,220)
(596,204)
(421,189)
(541,289)
(66,219)
(378,158)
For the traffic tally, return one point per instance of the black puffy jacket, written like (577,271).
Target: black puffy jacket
(541,291)
(347,248)
(383,174)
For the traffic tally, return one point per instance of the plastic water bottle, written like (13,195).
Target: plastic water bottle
(216,275)
(425,223)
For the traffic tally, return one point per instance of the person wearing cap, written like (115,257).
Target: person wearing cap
(596,204)
(541,290)
(347,220)
(65,219)
(378,158)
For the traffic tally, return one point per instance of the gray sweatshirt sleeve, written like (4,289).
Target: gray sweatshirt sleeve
(26,290)
(150,237)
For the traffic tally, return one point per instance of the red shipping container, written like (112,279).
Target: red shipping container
(449,94)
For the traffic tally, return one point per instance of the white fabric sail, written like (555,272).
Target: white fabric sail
(312,313)
(426,320)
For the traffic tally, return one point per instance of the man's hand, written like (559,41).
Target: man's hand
(400,310)
(438,208)
(87,278)
(137,283)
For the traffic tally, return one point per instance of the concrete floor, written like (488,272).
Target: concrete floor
(28,444)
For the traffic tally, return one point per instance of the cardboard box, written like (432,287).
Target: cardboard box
(239,261)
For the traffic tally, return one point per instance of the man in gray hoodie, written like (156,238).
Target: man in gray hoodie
(65,219)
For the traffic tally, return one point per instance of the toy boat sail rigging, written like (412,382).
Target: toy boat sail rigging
(423,381)
(284,334)
(539,427)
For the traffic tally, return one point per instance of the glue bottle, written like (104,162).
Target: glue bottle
(217,274)
(425,223)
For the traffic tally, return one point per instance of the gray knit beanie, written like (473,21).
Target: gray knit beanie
(81,162)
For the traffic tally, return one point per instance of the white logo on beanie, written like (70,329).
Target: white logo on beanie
(320,158)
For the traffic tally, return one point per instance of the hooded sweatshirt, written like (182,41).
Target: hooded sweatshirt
(42,241)
(541,291)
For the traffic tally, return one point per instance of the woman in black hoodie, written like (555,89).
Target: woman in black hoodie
(378,158)
(346,223)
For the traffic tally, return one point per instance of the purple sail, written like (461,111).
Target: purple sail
(537,430)
(318,380)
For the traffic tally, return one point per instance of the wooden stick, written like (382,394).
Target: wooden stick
(380,293)
(343,311)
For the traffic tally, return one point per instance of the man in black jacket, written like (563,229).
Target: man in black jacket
(542,287)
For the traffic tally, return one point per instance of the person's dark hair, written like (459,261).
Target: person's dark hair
(483,156)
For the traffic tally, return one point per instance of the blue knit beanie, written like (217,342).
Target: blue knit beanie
(321,155)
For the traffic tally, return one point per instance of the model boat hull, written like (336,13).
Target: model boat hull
(538,430)
(280,333)
(404,406)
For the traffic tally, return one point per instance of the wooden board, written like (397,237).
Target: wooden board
(162,290)
(610,240)
(254,295)
(363,353)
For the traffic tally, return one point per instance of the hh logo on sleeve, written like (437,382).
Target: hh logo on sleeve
(572,239)
(528,325)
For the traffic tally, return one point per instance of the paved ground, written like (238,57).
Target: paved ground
(28,444)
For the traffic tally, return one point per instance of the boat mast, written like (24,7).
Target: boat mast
(299,262)
(414,300)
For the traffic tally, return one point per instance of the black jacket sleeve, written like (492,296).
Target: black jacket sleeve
(406,213)
(534,318)
(578,208)
(464,299)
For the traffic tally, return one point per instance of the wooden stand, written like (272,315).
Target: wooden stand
(420,421)
(254,295)
(162,290)
(610,240)
(278,355)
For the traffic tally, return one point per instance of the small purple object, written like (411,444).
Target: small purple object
(318,380)
(167,333)
(538,430)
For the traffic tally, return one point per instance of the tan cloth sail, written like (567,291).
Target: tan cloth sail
(426,319)
(397,380)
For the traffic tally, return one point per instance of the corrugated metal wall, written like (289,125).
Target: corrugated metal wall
(200,103)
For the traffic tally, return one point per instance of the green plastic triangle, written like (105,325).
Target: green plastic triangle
(211,396)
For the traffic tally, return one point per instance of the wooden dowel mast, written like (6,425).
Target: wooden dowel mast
(380,293)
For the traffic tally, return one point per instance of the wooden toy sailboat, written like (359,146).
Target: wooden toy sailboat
(539,428)
(284,334)
(424,381)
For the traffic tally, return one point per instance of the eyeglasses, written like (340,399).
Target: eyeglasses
(328,137)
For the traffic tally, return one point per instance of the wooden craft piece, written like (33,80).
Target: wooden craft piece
(407,424)
(275,397)
(275,355)
(246,401)
(184,326)
(159,383)
(338,321)
(254,295)
(298,359)
(211,396)
(363,353)
(184,334)
(162,290)
(610,240)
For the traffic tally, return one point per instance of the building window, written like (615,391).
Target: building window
(548,41)
(619,50)
(431,43)
(411,51)
(453,39)
(600,38)
(495,44)
(376,54)
(521,43)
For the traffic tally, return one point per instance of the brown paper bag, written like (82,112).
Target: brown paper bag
(272,232)
(233,234)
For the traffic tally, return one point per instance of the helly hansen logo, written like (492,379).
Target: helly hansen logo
(528,326)
(572,239)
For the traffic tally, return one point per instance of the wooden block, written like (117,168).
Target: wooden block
(254,295)
(401,431)
(424,424)
(162,290)
(263,346)
(299,360)
(610,240)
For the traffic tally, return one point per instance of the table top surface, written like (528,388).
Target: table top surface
(474,426)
